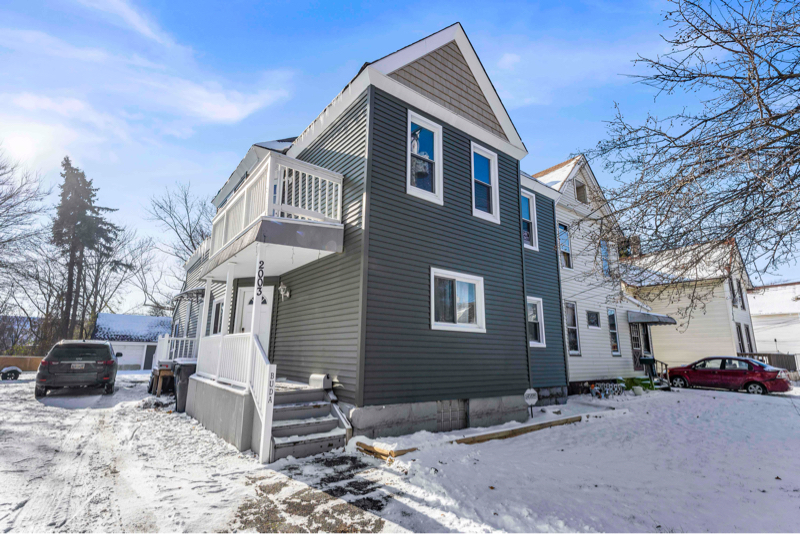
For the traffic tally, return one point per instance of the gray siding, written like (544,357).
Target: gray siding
(317,330)
(548,367)
(405,360)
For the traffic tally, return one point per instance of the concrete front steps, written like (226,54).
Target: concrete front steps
(304,423)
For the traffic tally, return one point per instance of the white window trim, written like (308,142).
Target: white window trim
(492,156)
(617,352)
(540,304)
(480,310)
(535,229)
(437,197)
(577,328)
(598,320)
(558,240)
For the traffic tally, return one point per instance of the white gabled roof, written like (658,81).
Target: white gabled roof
(557,175)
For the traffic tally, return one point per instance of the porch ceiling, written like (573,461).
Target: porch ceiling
(289,244)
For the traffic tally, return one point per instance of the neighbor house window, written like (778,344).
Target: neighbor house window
(564,246)
(580,192)
(741,338)
(604,258)
(535,322)
(749,339)
(485,188)
(216,324)
(612,331)
(573,343)
(424,159)
(456,302)
(742,295)
(734,300)
(530,236)
(593,319)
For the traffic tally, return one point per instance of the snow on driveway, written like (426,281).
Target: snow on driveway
(682,461)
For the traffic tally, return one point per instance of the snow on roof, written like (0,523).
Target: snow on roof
(775,300)
(279,145)
(121,327)
(556,175)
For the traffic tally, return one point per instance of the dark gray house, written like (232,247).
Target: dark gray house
(391,246)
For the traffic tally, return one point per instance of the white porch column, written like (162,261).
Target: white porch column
(226,310)
(201,328)
(258,293)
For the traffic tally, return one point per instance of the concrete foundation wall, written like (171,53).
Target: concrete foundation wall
(407,418)
(226,412)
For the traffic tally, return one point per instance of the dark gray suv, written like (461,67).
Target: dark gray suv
(72,364)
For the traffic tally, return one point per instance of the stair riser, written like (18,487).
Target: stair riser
(304,430)
(303,412)
(302,395)
(301,450)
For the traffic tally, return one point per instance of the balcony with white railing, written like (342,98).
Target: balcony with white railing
(285,203)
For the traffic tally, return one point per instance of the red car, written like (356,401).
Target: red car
(731,373)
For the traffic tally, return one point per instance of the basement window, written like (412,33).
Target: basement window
(457,302)
(451,415)
(424,163)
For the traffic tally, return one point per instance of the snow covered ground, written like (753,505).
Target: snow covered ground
(681,461)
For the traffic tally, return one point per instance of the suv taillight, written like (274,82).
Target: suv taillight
(43,363)
(106,362)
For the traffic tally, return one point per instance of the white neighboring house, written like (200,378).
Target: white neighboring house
(135,336)
(720,325)
(775,312)
(607,331)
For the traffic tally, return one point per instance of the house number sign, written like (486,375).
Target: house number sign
(260,278)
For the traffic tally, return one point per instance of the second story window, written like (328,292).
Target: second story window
(604,258)
(485,187)
(742,295)
(732,288)
(535,322)
(564,246)
(749,339)
(529,232)
(424,161)
(571,318)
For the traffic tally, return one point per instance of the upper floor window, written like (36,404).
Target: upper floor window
(564,246)
(457,302)
(530,236)
(593,319)
(424,162)
(732,288)
(535,322)
(604,258)
(485,187)
(740,337)
(580,192)
(742,295)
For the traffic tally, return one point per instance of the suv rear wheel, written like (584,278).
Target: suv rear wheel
(39,392)
(108,389)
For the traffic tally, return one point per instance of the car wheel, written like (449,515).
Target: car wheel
(679,382)
(4,376)
(39,392)
(754,388)
(13,375)
(108,389)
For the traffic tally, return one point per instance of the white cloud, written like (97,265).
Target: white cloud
(42,43)
(128,16)
(70,108)
(508,61)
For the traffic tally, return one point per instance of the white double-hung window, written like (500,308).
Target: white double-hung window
(424,162)
(485,185)
(535,322)
(530,236)
(457,302)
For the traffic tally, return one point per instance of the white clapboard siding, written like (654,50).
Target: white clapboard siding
(780,332)
(586,286)
(709,332)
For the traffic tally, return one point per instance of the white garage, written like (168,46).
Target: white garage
(135,336)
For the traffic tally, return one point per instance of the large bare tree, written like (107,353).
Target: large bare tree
(725,165)
(185,217)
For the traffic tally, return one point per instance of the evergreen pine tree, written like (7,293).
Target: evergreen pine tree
(78,226)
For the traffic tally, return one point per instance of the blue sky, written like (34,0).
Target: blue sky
(145,93)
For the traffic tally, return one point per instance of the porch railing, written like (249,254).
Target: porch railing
(280,186)
(172,348)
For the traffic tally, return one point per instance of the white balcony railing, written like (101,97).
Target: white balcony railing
(280,186)
(172,348)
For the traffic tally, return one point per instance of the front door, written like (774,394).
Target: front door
(244,313)
(636,345)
